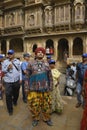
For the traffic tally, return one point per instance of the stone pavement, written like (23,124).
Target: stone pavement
(22,120)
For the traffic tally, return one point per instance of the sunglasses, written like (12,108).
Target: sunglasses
(10,53)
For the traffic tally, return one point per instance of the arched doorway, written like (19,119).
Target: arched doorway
(77,46)
(16,44)
(3,47)
(34,47)
(49,47)
(63,48)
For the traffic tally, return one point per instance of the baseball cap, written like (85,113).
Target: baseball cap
(49,57)
(84,55)
(1,56)
(26,55)
(11,52)
(52,61)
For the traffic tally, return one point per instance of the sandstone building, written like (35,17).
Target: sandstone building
(60,24)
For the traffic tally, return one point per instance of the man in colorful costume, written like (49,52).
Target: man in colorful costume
(39,83)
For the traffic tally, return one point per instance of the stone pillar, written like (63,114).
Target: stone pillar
(28,46)
(43,43)
(85,44)
(55,49)
(25,45)
(70,47)
(7,45)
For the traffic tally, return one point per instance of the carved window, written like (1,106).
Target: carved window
(78,12)
(61,13)
(67,11)
(38,17)
(83,12)
(50,16)
(12,18)
(31,20)
(8,20)
(57,14)
(47,16)
(20,17)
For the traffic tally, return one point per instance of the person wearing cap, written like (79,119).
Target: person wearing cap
(12,79)
(39,84)
(24,64)
(73,67)
(81,67)
(57,102)
(47,51)
(48,58)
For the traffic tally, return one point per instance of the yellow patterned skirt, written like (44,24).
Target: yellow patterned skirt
(40,105)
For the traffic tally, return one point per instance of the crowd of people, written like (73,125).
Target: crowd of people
(39,79)
(79,74)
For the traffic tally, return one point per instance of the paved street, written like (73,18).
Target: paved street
(21,118)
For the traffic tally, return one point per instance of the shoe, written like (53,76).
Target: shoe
(49,122)
(35,123)
(78,105)
(10,113)
(25,100)
(15,103)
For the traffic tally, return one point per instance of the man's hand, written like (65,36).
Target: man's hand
(83,93)
(10,66)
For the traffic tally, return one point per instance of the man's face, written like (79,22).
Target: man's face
(1,60)
(27,58)
(10,56)
(39,55)
(52,66)
(84,59)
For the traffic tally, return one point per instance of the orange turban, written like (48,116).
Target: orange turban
(39,49)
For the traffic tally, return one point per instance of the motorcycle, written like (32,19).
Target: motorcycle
(70,85)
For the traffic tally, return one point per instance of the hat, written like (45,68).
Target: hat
(39,49)
(84,55)
(26,55)
(1,56)
(48,57)
(11,52)
(52,61)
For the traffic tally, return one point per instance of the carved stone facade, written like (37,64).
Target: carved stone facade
(57,24)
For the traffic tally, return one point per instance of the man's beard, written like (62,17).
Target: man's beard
(40,57)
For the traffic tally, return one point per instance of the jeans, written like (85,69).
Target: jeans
(79,91)
(12,94)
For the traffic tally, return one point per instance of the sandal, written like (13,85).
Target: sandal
(35,123)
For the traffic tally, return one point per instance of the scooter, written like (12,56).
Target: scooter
(70,85)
